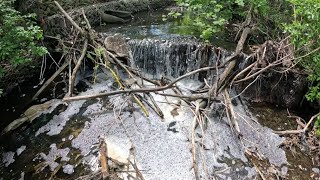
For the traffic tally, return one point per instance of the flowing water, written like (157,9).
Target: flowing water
(63,144)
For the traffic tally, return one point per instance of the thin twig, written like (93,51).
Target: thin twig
(139,174)
(190,97)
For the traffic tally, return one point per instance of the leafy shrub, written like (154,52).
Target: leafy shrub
(305,33)
(210,16)
(19,37)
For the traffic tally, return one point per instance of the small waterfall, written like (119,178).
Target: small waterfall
(172,57)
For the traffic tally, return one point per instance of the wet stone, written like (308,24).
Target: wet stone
(284,171)
(316,170)
(8,158)
(20,150)
(68,169)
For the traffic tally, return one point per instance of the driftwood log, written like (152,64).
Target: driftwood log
(108,18)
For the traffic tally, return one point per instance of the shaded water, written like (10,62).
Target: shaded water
(151,25)
(301,161)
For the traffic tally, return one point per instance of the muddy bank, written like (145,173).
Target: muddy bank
(285,90)
(303,160)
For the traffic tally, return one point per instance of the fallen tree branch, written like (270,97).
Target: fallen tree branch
(232,58)
(193,146)
(190,97)
(76,68)
(221,81)
(230,112)
(141,90)
(138,172)
(300,130)
(69,18)
(46,84)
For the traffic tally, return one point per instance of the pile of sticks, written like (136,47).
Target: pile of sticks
(94,48)
(91,46)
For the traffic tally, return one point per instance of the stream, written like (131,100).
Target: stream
(63,142)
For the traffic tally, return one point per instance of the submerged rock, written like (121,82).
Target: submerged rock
(316,170)
(58,122)
(117,44)
(20,150)
(22,176)
(32,113)
(68,169)
(8,158)
(53,155)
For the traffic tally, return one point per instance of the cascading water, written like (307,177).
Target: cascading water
(173,57)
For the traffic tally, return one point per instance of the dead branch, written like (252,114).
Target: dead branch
(191,97)
(46,84)
(135,167)
(104,159)
(259,171)
(86,19)
(141,90)
(76,68)
(69,18)
(193,148)
(269,66)
(251,83)
(243,71)
(300,130)
(230,111)
(222,79)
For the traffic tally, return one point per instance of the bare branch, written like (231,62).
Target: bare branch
(141,90)
(76,68)
(68,17)
(300,130)
(46,84)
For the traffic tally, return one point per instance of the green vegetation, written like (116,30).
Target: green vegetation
(211,16)
(273,20)
(19,37)
(305,33)
(317,125)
